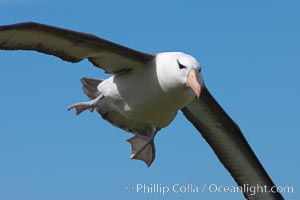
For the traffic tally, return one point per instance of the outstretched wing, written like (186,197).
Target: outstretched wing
(230,145)
(71,46)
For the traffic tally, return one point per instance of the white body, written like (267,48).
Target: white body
(151,95)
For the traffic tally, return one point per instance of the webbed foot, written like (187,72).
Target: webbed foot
(82,106)
(143,148)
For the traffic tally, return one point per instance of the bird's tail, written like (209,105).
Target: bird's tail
(89,87)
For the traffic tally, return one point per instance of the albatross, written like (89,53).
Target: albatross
(143,95)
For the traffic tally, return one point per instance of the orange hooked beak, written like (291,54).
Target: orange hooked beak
(193,83)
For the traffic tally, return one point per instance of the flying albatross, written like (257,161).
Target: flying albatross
(143,95)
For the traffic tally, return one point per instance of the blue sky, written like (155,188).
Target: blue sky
(250,57)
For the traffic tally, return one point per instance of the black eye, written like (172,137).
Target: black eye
(181,66)
(200,70)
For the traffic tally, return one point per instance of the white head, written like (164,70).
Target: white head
(178,70)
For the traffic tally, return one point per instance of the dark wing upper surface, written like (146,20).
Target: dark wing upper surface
(71,46)
(229,144)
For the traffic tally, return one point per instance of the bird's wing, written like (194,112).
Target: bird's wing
(71,46)
(229,144)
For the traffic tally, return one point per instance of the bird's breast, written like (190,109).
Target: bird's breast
(138,96)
